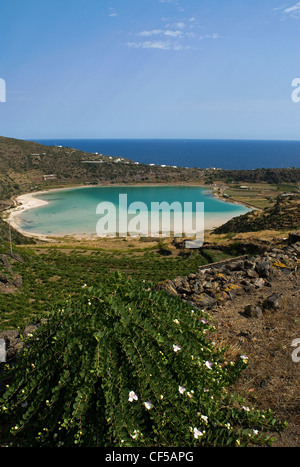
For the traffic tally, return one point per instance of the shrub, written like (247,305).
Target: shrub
(123,365)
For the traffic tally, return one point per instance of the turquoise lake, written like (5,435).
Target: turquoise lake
(74,211)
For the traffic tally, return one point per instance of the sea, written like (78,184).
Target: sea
(200,153)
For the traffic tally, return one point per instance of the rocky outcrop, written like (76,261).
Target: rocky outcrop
(213,284)
(15,341)
(10,282)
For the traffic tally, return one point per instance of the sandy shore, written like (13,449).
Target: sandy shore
(31,201)
(24,203)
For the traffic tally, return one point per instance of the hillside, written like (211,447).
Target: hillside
(284,214)
(26,165)
(269,175)
(17,237)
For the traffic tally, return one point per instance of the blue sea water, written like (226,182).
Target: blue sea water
(224,154)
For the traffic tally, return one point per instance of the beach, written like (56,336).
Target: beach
(24,203)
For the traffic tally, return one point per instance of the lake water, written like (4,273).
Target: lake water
(74,211)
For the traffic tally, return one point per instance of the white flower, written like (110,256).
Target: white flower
(208,364)
(181,389)
(244,358)
(135,434)
(176,348)
(255,432)
(205,418)
(246,408)
(132,396)
(197,433)
(148,405)
(175,321)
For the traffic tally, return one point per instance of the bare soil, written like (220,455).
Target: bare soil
(272,378)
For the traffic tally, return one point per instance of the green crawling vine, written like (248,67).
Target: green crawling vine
(124,365)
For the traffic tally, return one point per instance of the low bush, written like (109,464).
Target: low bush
(124,365)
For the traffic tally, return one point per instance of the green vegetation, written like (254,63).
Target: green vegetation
(24,164)
(273,176)
(50,274)
(259,195)
(284,214)
(116,362)
(133,367)
(17,237)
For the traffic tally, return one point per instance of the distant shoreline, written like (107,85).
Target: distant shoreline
(28,201)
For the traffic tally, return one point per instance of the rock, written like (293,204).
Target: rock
(204,300)
(294,237)
(168,286)
(177,282)
(245,282)
(17,257)
(259,283)
(192,276)
(165,252)
(253,311)
(248,264)
(6,263)
(252,274)
(263,383)
(273,302)
(236,266)
(209,286)
(262,268)
(13,343)
(18,282)
(232,294)
(3,279)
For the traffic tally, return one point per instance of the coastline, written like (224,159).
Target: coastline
(30,200)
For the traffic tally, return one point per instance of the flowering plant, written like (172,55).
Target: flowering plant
(112,368)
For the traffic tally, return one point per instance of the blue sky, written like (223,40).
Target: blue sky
(150,69)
